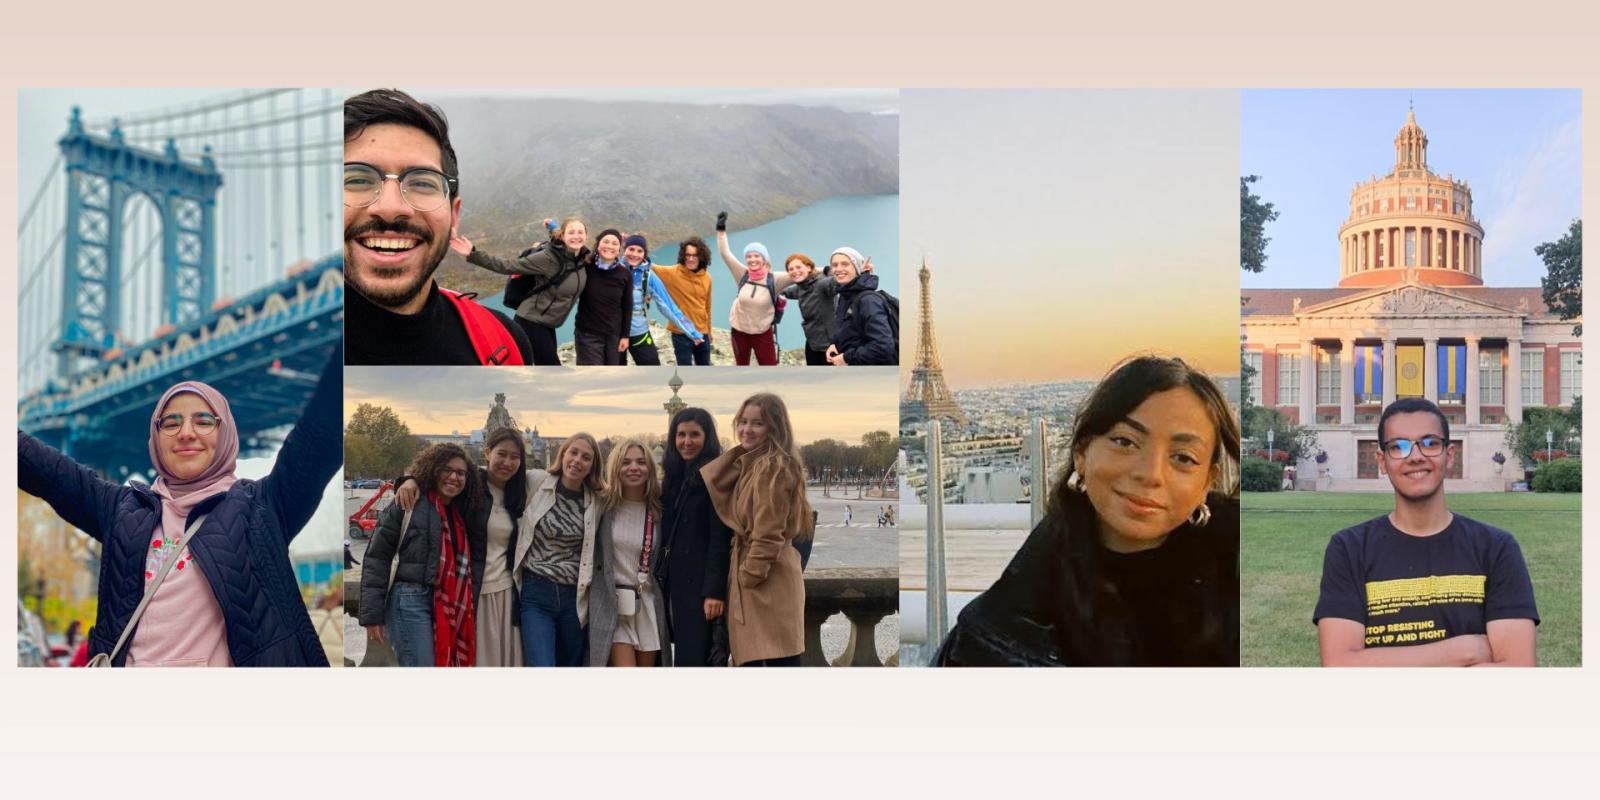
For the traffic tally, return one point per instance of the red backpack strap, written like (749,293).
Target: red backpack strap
(493,344)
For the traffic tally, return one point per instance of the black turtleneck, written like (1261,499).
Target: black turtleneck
(435,335)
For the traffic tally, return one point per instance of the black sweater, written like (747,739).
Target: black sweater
(605,308)
(435,335)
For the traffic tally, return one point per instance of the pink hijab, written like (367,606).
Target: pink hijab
(227,451)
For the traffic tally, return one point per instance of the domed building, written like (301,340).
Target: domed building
(1410,316)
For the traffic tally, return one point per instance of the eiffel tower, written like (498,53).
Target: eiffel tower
(927,397)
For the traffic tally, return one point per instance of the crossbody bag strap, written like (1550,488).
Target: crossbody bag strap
(154,585)
(405,525)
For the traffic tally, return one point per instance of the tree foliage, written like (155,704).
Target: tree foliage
(1253,218)
(876,454)
(1563,281)
(1528,437)
(1298,441)
(377,444)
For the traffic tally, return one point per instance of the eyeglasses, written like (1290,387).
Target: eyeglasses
(423,189)
(1401,448)
(203,423)
(452,473)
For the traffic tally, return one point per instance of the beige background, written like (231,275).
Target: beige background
(890,732)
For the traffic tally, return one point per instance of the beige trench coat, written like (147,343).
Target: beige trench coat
(761,497)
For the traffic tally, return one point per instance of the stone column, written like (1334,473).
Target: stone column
(1347,378)
(1389,376)
(1474,408)
(1430,368)
(1513,381)
(1308,383)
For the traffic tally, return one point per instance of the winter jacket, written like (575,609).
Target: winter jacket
(551,306)
(645,278)
(603,602)
(542,498)
(695,550)
(1026,618)
(242,547)
(816,295)
(691,290)
(419,557)
(760,496)
(861,329)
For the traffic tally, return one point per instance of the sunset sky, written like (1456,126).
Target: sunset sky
(1067,229)
(831,403)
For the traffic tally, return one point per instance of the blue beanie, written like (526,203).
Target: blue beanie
(757,247)
(636,239)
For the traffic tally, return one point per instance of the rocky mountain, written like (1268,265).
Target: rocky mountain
(663,169)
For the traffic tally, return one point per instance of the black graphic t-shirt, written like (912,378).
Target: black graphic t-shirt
(1411,590)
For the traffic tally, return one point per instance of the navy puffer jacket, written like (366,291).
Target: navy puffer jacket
(861,328)
(243,546)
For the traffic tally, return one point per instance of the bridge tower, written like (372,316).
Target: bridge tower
(103,174)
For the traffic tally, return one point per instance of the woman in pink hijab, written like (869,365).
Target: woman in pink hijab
(214,547)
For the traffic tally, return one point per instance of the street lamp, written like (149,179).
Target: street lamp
(1271,456)
(1549,444)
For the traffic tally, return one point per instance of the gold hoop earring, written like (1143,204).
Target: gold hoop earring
(1201,516)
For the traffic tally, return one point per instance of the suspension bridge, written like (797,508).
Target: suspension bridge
(190,242)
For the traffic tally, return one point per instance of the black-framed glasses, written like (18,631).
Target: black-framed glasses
(203,423)
(423,189)
(447,472)
(1430,445)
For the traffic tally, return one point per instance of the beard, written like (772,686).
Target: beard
(433,256)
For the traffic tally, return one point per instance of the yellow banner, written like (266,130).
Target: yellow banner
(1408,363)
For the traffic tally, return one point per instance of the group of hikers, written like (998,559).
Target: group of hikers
(598,564)
(396,239)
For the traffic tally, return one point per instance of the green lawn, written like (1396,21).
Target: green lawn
(1284,535)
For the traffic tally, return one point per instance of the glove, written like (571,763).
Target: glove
(722,222)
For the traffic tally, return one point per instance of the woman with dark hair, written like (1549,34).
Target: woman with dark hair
(605,307)
(1137,561)
(554,276)
(758,489)
(210,547)
(693,568)
(429,612)
(690,286)
(554,562)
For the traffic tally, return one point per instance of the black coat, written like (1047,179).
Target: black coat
(1025,619)
(242,548)
(861,329)
(693,566)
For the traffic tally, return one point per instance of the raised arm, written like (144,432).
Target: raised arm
(670,308)
(311,454)
(543,262)
(77,493)
(1343,644)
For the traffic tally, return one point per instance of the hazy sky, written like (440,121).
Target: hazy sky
(872,100)
(823,403)
(1066,229)
(1519,150)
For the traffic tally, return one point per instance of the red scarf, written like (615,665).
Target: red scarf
(454,634)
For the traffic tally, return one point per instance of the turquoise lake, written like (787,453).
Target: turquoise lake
(869,223)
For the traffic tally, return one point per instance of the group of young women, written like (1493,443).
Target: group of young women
(846,319)
(583,564)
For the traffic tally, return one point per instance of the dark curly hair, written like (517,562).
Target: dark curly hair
(700,249)
(394,107)
(427,465)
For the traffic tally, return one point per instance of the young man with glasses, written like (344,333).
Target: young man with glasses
(401,203)
(1422,586)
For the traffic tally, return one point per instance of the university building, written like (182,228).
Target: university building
(1410,317)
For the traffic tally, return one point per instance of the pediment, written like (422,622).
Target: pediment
(1407,300)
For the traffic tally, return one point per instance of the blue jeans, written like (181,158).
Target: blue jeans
(687,352)
(551,635)
(409,624)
